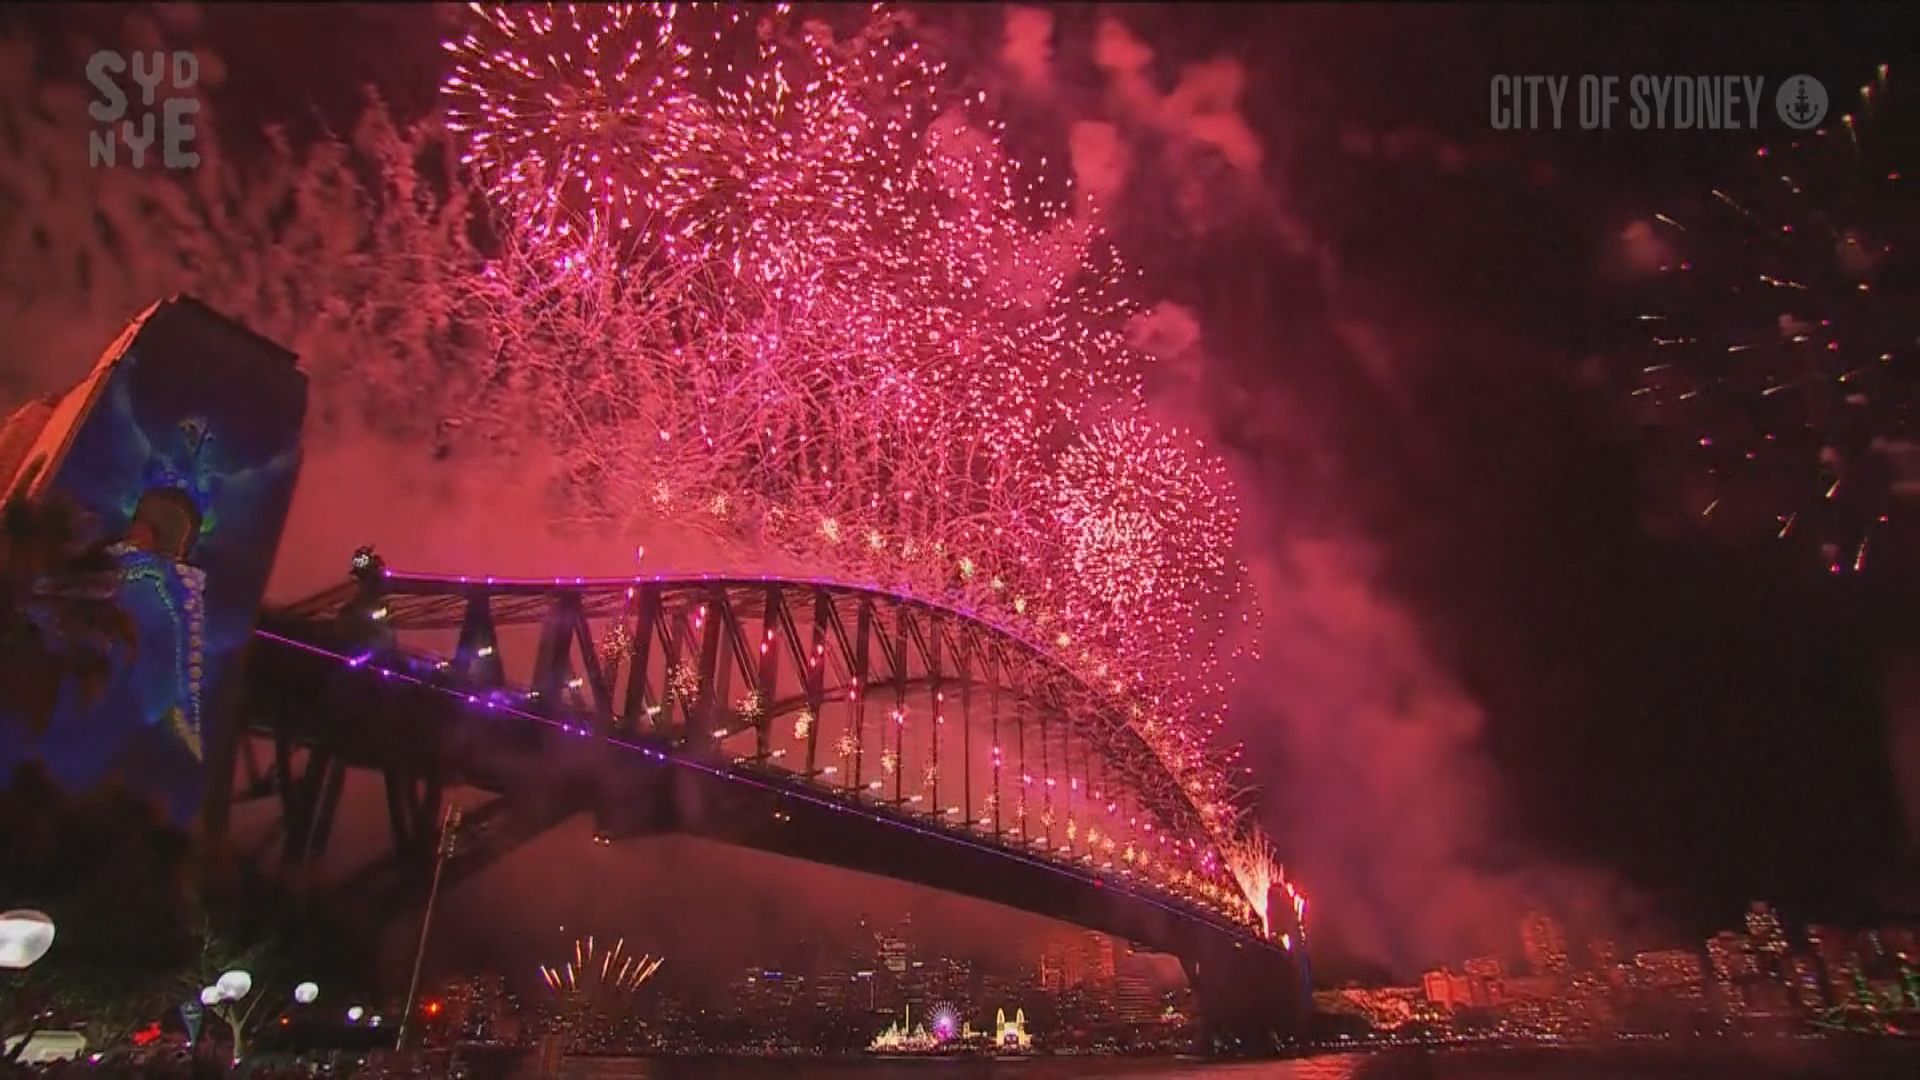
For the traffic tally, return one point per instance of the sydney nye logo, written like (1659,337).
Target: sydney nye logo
(1651,102)
(167,118)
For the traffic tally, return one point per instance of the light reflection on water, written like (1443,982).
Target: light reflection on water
(1707,1061)
(1340,1067)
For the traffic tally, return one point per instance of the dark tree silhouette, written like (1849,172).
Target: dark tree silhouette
(114,876)
(144,918)
(60,615)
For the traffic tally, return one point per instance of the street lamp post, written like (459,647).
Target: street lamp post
(25,937)
(447,829)
(221,997)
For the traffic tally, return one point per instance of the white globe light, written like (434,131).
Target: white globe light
(210,996)
(354,1014)
(25,937)
(235,985)
(306,992)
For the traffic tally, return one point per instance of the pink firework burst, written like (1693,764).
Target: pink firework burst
(1146,518)
(585,107)
(771,283)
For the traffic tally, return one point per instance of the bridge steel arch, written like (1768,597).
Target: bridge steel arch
(837,723)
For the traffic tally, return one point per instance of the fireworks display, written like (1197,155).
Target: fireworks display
(1146,520)
(591,973)
(1786,340)
(575,107)
(1253,867)
(772,283)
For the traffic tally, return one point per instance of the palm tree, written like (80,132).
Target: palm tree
(60,615)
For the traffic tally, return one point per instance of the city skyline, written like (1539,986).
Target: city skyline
(1765,974)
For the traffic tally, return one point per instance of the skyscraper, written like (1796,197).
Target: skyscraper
(1134,1000)
(1804,977)
(1676,971)
(890,949)
(1731,956)
(1765,930)
(1485,967)
(1839,959)
(1098,965)
(1545,943)
(1448,990)
(1604,953)
(1052,968)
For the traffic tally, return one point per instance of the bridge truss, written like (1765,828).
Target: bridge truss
(866,696)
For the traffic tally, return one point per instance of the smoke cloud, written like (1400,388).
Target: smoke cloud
(1379,781)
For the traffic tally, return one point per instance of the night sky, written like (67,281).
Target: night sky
(1496,674)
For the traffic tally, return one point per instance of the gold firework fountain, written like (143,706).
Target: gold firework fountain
(596,975)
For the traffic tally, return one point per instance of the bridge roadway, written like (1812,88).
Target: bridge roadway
(325,702)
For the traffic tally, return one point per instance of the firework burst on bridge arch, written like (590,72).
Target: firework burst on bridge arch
(774,282)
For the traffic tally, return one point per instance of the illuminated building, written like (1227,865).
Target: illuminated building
(833,993)
(1731,957)
(1871,947)
(890,951)
(1051,973)
(482,1009)
(1545,943)
(1765,930)
(1531,987)
(764,992)
(1082,960)
(1098,951)
(1135,1002)
(1803,975)
(1677,972)
(1485,967)
(1384,1008)
(1059,965)
(904,1038)
(1838,959)
(1604,953)
(1447,990)
(1011,1035)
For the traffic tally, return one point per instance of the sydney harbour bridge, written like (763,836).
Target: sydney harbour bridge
(839,724)
(845,724)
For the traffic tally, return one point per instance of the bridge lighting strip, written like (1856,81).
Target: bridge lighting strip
(735,777)
(905,595)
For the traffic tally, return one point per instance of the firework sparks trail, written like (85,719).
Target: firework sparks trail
(1786,346)
(1254,869)
(772,283)
(1146,519)
(592,973)
(586,108)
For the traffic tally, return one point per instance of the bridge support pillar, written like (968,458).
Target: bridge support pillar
(1248,1005)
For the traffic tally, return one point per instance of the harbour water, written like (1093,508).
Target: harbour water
(1769,1060)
